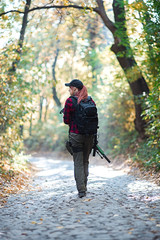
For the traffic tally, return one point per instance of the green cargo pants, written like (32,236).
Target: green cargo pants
(81,146)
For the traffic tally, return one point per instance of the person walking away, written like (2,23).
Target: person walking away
(81,131)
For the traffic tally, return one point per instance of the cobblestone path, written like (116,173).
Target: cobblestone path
(117,206)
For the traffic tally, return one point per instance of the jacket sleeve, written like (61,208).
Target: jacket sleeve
(68,110)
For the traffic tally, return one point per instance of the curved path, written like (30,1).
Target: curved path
(116,207)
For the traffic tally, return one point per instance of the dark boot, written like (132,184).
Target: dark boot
(81,194)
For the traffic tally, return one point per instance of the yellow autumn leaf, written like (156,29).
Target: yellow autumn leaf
(39,223)
(151,219)
(131,229)
(4,17)
(33,222)
(60,227)
(87,200)
(10,121)
(18,57)
(91,9)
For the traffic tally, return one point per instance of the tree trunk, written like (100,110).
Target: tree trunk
(21,129)
(40,108)
(46,111)
(124,55)
(137,84)
(21,38)
(55,97)
(30,126)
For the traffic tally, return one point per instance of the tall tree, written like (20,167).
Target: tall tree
(124,55)
(121,48)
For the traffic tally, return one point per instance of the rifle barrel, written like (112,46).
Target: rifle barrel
(102,153)
(62,110)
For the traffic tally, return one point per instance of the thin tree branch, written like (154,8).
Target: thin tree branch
(101,11)
(11,11)
(50,7)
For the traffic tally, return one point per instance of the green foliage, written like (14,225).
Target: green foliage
(148,152)
(14,104)
(152,116)
(49,136)
(116,132)
(82,54)
(147,155)
(151,24)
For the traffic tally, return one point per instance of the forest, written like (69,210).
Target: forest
(113,47)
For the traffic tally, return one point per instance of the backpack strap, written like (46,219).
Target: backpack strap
(89,98)
(74,99)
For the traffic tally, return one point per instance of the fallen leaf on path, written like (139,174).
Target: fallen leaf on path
(60,227)
(87,200)
(151,219)
(71,209)
(14,178)
(87,212)
(33,222)
(131,229)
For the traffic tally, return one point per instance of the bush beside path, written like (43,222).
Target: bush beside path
(117,206)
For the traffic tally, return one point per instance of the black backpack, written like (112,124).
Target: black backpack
(86,117)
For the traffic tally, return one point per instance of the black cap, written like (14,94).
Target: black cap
(75,83)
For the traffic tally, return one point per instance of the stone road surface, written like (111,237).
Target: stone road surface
(116,207)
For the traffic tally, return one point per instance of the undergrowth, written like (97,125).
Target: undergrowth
(15,175)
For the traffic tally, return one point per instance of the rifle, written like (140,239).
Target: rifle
(98,150)
(62,110)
